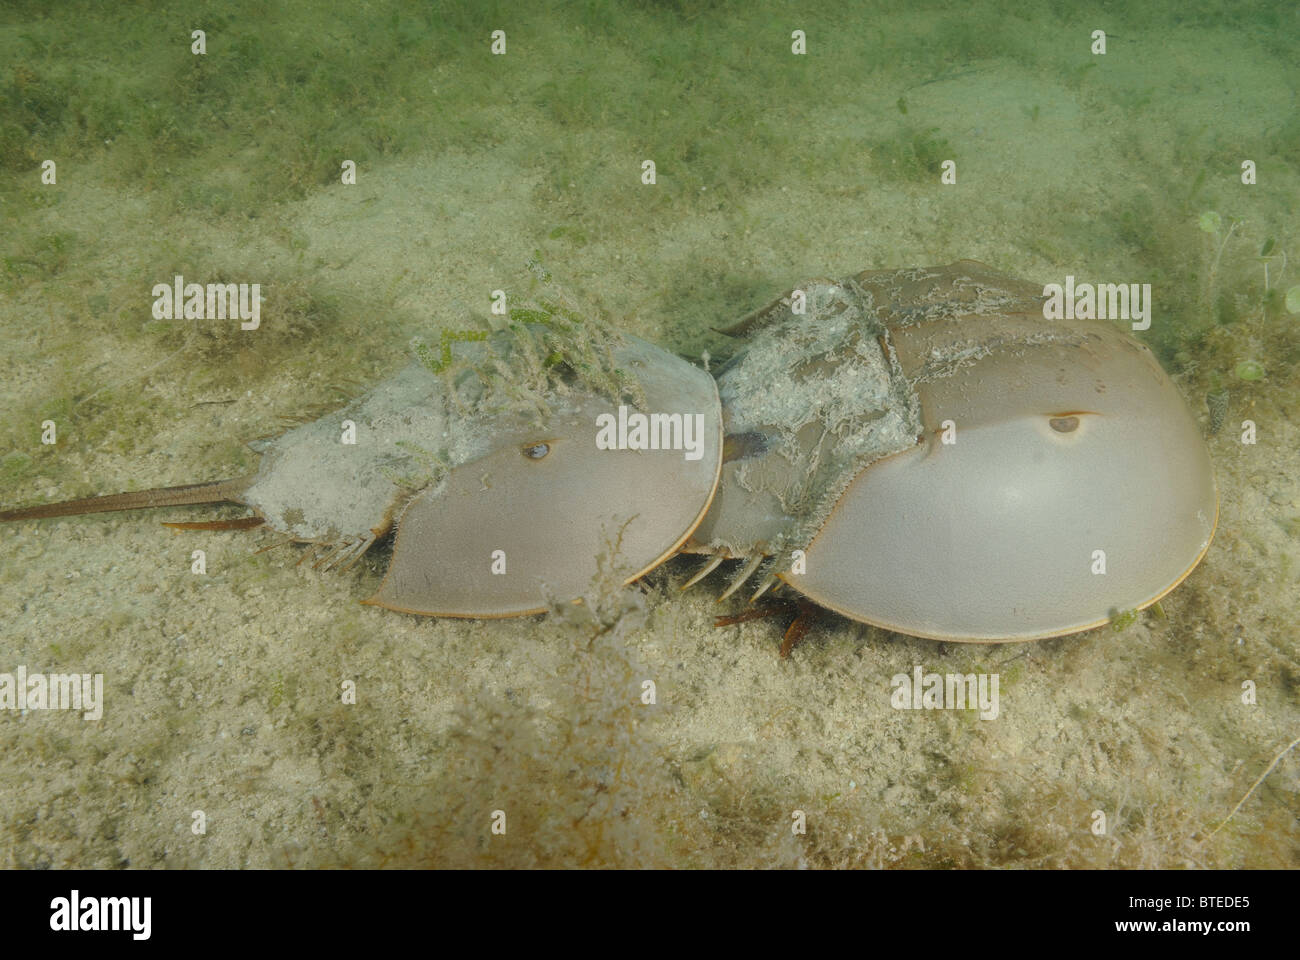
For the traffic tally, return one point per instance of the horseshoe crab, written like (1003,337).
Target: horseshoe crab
(485,459)
(921,450)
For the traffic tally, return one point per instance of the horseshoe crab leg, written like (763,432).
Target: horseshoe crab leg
(364,544)
(348,554)
(326,561)
(768,582)
(704,571)
(745,574)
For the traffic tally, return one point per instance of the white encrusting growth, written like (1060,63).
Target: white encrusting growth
(329,482)
(821,391)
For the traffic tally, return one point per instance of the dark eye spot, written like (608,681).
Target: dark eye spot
(535,451)
(1064,424)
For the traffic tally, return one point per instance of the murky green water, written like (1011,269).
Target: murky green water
(223,691)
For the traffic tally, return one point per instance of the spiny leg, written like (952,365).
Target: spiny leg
(330,554)
(761,613)
(806,614)
(278,543)
(704,571)
(345,553)
(350,555)
(311,551)
(768,583)
(339,556)
(744,575)
(798,629)
(359,551)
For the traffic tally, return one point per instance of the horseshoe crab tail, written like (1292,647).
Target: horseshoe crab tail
(215,491)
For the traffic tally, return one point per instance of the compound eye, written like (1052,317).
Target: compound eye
(536,451)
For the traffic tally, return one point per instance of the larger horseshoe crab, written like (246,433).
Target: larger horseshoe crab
(922,450)
(486,460)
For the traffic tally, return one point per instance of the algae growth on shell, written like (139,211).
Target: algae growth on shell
(448,407)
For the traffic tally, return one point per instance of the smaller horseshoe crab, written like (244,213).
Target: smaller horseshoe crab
(486,461)
(923,451)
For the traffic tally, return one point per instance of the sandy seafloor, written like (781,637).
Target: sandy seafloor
(222,690)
